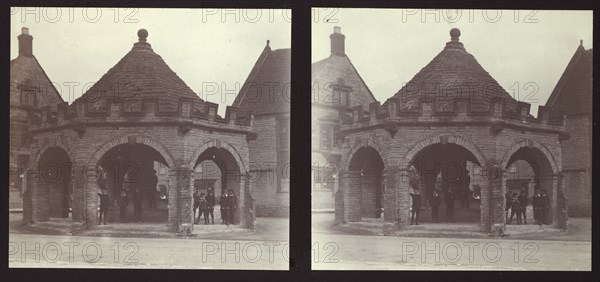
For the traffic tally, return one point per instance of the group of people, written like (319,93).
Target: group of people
(204,205)
(435,201)
(517,204)
(130,192)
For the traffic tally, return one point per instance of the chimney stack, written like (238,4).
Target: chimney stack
(338,42)
(25,43)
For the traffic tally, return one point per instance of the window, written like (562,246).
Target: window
(326,135)
(28,95)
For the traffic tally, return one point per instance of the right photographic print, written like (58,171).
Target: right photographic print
(451,139)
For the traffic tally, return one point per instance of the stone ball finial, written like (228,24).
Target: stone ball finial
(455,33)
(142,34)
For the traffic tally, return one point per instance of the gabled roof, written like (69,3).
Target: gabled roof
(573,92)
(26,71)
(453,73)
(267,89)
(328,71)
(142,74)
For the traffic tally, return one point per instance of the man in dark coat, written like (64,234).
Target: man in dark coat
(416,207)
(435,201)
(210,200)
(523,202)
(232,207)
(123,203)
(223,202)
(103,206)
(536,202)
(515,208)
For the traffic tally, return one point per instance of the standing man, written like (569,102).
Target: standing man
(414,181)
(123,203)
(210,201)
(103,206)
(536,202)
(435,201)
(515,208)
(202,206)
(224,202)
(523,202)
(416,206)
(152,190)
(232,206)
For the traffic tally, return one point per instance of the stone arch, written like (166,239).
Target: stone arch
(547,177)
(452,139)
(56,142)
(527,143)
(368,143)
(150,142)
(223,145)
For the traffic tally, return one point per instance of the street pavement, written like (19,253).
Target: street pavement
(339,251)
(211,247)
(60,251)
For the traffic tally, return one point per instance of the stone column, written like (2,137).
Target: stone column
(35,201)
(352,196)
(90,199)
(492,212)
(78,179)
(181,203)
(404,201)
(560,218)
(339,200)
(390,189)
(250,213)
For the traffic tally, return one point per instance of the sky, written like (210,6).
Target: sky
(212,50)
(526,51)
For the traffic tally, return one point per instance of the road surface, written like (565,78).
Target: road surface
(356,252)
(51,251)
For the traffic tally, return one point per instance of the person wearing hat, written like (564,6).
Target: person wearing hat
(435,201)
(416,207)
(536,202)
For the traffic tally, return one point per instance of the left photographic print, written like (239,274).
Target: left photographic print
(149,138)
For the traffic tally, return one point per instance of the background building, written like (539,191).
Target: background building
(572,97)
(336,88)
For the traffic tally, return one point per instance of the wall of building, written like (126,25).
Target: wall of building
(270,200)
(577,162)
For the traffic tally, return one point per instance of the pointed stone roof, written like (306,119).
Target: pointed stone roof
(142,74)
(337,69)
(27,75)
(573,92)
(267,89)
(453,73)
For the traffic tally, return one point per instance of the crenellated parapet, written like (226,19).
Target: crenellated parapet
(144,110)
(428,111)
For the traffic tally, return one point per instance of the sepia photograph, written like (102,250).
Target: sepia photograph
(451,139)
(149,138)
